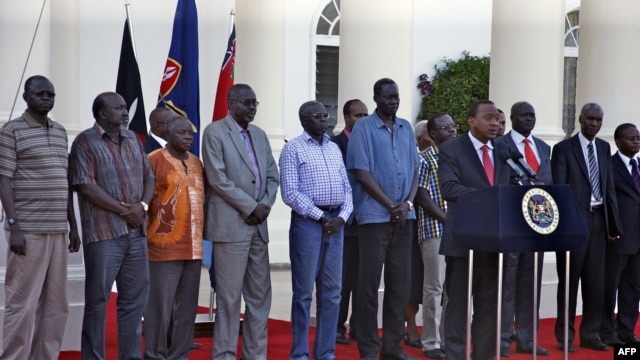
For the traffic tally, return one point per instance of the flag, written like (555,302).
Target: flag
(180,87)
(128,85)
(225,81)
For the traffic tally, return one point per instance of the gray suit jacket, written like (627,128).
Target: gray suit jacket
(232,182)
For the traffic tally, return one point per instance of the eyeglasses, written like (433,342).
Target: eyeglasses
(248,102)
(319,116)
(448,127)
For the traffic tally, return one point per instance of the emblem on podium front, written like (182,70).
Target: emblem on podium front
(540,211)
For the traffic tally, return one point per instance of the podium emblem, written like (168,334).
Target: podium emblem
(540,211)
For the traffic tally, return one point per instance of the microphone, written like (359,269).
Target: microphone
(517,156)
(505,158)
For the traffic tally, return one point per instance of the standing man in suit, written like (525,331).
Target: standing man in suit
(467,163)
(502,123)
(584,162)
(243,180)
(517,280)
(157,138)
(352,111)
(382,155)
(622,262)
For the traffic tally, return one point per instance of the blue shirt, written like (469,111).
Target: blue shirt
(312,175)
(390,157)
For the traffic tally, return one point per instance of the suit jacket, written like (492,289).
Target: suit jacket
(629,201)
(150,144)
(460,171)
(231,180)
(544,151)
(568,166)
(351,227)
(343,143)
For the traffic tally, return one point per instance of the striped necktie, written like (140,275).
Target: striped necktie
(594,174)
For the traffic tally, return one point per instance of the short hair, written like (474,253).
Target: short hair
(473,110)
(377,87)
(302,111)
(590,106)
(617,134)
(431,123)
(98,103)
(235,90)
(31,79)
(420,125)
(172,120)
(346,109)
(155,114)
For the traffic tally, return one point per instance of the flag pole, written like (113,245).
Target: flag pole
(127,5)
(232,15)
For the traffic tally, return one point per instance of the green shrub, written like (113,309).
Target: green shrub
(454,87)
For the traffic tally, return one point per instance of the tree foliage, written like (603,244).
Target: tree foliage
(455,86)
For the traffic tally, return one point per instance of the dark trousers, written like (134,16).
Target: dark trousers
(622,274)
(350,258)
(587,265)
(383,244)
(484,293)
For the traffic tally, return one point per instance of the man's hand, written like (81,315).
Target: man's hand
(332,225)
(134,214)
(74,241)
(251,220)
(17,243)
(261,212)
(399,211)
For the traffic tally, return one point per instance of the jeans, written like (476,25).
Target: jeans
(123,260)
(315,257)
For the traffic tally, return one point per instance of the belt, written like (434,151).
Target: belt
(329,208)
(594,208)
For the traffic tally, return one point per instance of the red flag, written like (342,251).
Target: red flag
(220,108)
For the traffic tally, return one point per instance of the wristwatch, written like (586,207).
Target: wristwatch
(12,221)
(410,204)
(145,206)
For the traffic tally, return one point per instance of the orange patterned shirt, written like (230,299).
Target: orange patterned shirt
(176,212)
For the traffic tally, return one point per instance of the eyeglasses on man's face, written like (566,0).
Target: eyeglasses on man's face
(247,102)
(448,127)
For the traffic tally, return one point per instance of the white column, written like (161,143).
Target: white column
(527,60)
(608,61)
(376,41)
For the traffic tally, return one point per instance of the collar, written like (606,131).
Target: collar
(160,140)
(123,133)
(584,141)
(33,122)
(519,138)
(307,138)
(477,144)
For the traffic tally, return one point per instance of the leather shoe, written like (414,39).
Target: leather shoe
(413,343)
(341,339)
(434,354)
(504,352)
(570,348)
(594,344)
(629,339)
(612,340)
(539,350)
(396,356)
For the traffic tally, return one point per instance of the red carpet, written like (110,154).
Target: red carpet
(280,342)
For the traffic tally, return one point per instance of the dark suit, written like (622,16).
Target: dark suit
(568,166)
(622,263)
(460,171)
(350,255)
(517,283)
(150,144)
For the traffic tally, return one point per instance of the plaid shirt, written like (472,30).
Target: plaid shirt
(429,227)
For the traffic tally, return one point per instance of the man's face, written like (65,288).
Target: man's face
(445,129)
(590,123)
(629,142)
(314,121)
(40,96)
(523,119)
(358,110)
(502,124)
(388,100)
(114,114)
(484,126)
(159,127)
(424,140)
(181,136)
(244,107)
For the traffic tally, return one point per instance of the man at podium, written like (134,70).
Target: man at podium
(467,163)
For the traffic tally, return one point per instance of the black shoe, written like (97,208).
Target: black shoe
(341,339)
(413,343)
(570,348)
(528,350)
(629,339)
(612,340)
(594,344)
(434,354)
(396,356)
(196,346)
(504,352)
(352,336)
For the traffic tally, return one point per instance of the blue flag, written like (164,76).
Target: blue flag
(180,86)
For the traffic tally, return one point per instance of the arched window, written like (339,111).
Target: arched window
(571,37)
(327,54)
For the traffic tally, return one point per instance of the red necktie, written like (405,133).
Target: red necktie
(486,163)
(530,156)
